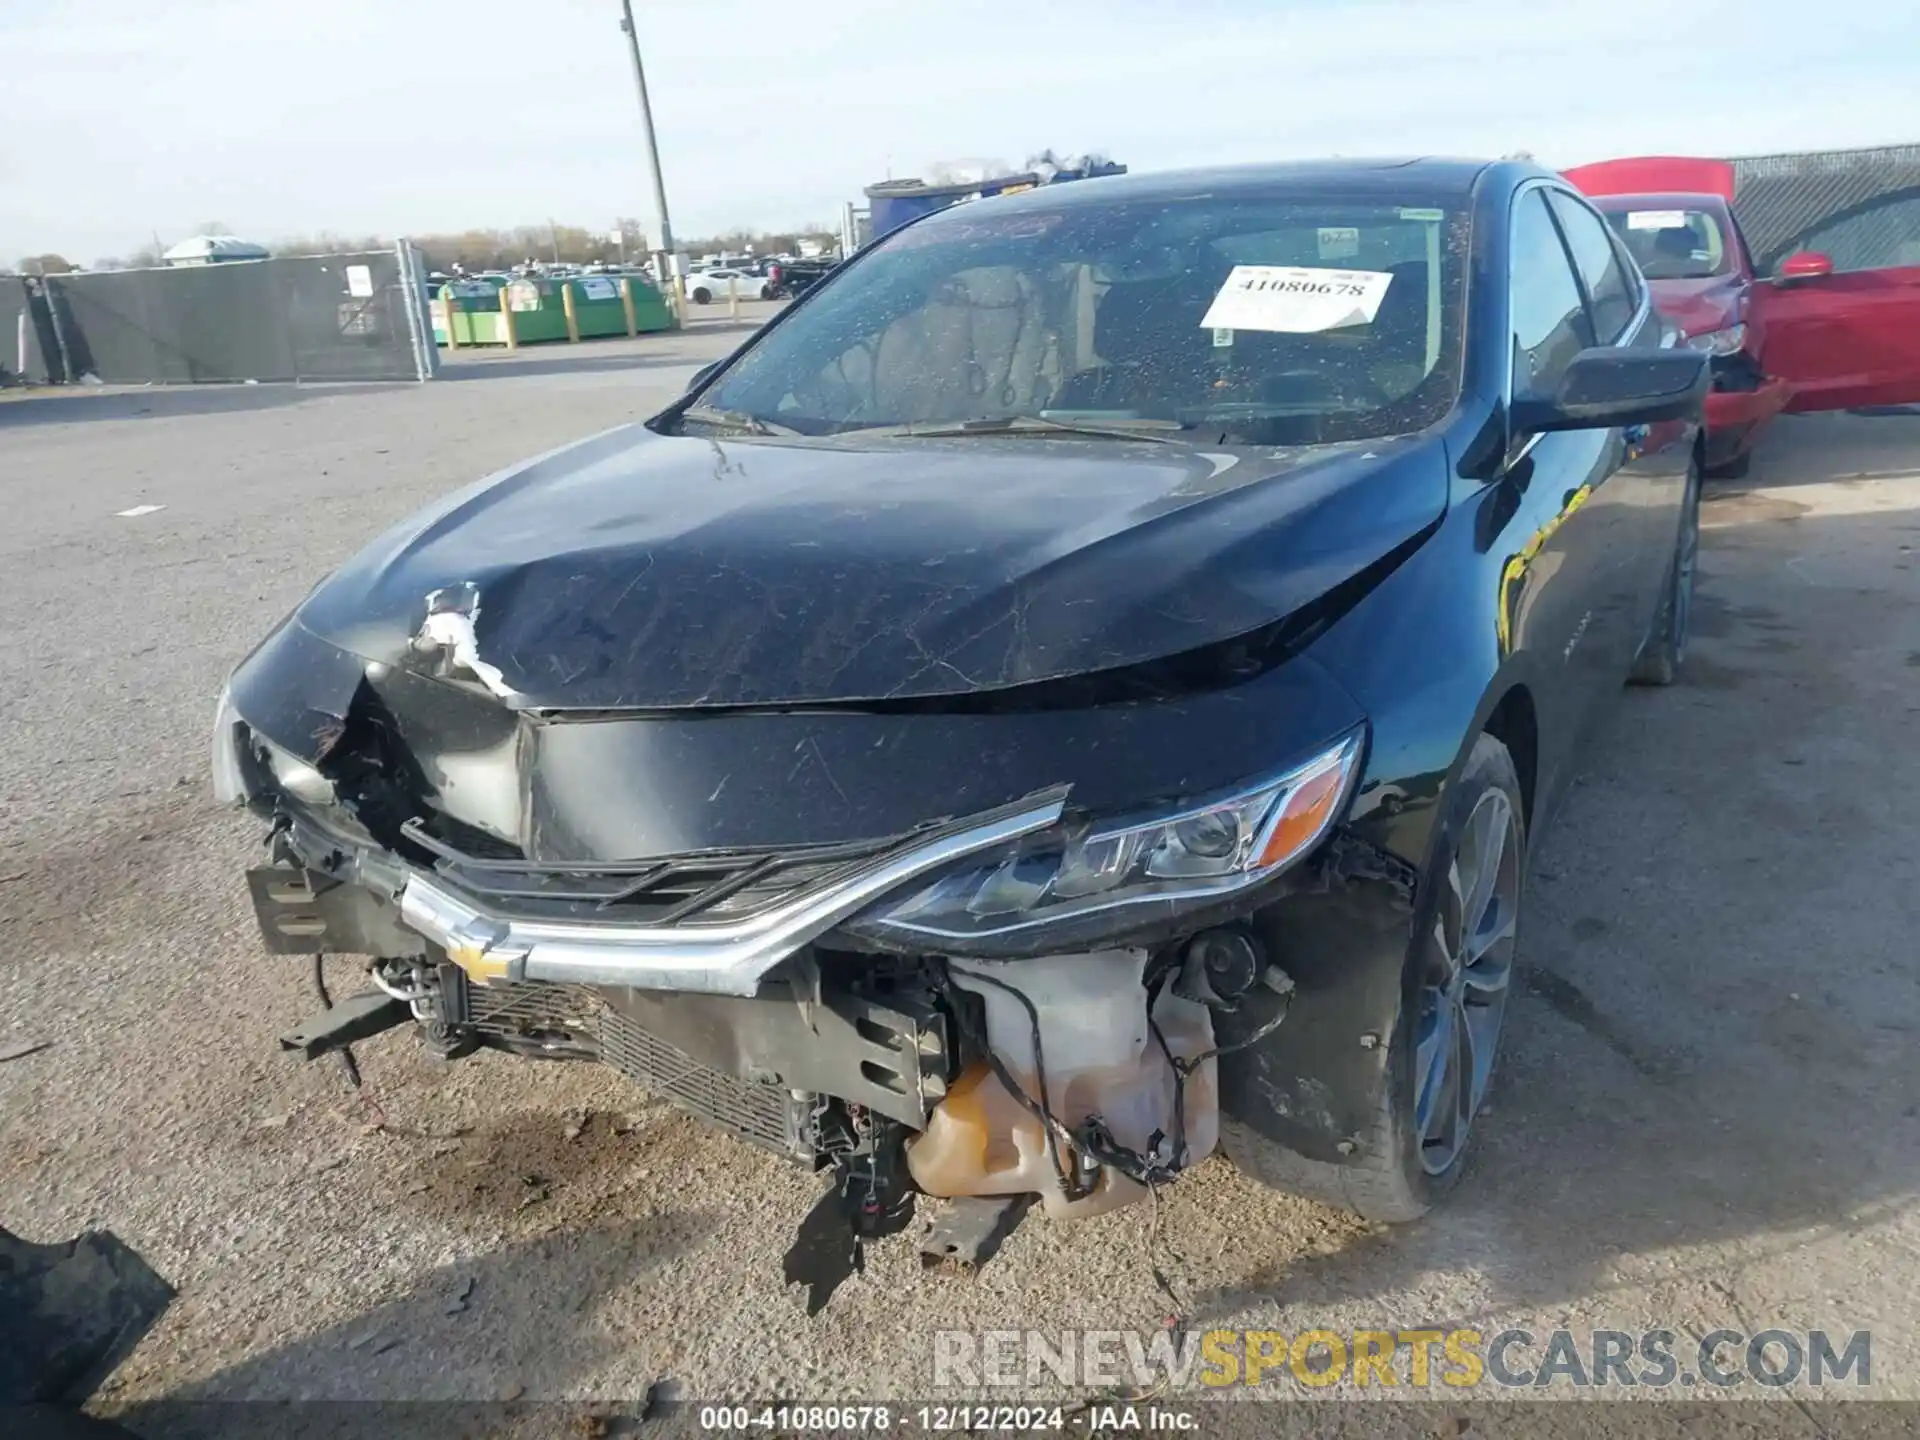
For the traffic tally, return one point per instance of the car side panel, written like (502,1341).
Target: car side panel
(1493,604)
(1428,655)
(1845,340)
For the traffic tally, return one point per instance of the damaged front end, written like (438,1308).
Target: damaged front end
(1009,992)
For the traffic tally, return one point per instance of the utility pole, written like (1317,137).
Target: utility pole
(663,257)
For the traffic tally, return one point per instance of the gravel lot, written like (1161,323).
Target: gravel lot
(1706,1117)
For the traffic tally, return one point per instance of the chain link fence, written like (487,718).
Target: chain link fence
(318,317)
(1862,207)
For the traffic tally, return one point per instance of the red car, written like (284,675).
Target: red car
(1814,336)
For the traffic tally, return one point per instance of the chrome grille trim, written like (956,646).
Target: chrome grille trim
(719,958)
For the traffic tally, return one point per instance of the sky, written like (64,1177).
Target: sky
(131,119)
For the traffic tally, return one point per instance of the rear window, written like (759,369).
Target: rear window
(1277,319)
(1673,244)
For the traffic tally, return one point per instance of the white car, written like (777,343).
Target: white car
(707,285)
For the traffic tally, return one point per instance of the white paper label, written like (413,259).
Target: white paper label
(598,287)
(359,281)
(1339,242)
(1656,220)
(1296,299)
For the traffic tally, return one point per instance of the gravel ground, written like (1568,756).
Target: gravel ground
(1706,1115)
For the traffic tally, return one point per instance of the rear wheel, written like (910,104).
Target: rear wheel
(701,295)
(1666,645)
(1459,972)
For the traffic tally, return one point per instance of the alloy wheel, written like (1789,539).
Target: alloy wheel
(1469,972)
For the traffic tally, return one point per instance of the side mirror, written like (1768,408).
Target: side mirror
(1806,265)
(1605,387)
(701,376)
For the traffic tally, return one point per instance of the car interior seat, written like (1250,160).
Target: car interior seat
(1397,339)
(1672,254)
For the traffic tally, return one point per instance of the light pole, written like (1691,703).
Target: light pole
(663,259)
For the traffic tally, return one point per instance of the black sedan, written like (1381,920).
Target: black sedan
(1076,689)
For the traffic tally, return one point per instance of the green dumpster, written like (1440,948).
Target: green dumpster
(599,310)
(539,308)
(472,311)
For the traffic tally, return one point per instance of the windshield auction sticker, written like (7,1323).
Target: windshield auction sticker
(1656,219)
(1296,299)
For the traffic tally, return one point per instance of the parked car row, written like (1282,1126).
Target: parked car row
(1805,338)
(703,287)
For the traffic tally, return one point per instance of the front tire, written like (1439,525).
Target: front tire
(702,295)
(1735,469)
(1658,662)
(1458,974)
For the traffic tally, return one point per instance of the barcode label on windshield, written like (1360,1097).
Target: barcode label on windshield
(1296,299)
(1339,242)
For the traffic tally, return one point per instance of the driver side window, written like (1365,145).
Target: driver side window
(1547,316)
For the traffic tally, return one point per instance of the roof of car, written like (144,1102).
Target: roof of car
(1360,177)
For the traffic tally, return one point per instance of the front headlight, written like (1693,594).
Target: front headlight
(1729,341)
(1180,857)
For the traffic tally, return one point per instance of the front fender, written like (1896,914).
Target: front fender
(1428,658)
(1316,1083)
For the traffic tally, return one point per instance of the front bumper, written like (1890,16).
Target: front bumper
(1735,416)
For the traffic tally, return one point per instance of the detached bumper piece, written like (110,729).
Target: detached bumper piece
(70,1313)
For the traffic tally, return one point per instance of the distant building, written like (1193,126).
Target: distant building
(214,250)
(892,203)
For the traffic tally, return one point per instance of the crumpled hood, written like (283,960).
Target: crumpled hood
(639,571)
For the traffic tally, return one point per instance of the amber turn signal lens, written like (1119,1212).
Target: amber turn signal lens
(1303,815)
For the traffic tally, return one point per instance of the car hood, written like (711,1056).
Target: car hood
(640,571)
(1650,174)
(1700,306)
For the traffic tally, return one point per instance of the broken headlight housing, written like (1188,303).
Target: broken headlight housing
(1068,883)
(1729,341)
(229,767)
(240,753)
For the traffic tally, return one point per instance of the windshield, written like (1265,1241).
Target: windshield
(1673,244)
(1279,319)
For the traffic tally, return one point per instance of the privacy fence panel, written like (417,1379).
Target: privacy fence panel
(317,317)
(1862,207)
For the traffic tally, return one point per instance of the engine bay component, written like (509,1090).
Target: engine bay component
(356,1018)
(1075,1056)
